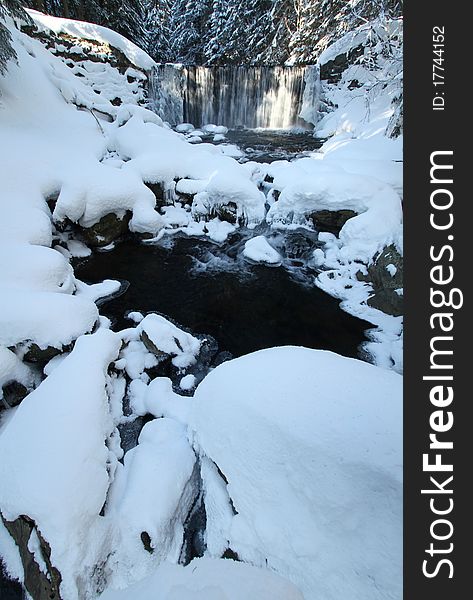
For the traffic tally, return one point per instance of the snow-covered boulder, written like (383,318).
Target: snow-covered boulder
(46,319)
(162,337)
(258,249)
(308,446)
(151,497)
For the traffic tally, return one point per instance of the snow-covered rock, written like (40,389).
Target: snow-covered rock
(310,445)
(151,498)
(162,337)
(56,467)
(258,249)
(44,318)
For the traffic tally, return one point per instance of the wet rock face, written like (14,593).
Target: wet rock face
(386,276)
(108,229)
(331,220)
(40,585)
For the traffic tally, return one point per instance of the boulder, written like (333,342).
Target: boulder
(13,393)
(104,232)
(40,585)
(331,220)
(298,244)
(385,274)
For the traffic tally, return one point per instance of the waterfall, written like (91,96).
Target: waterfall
(311,96)
(234,96)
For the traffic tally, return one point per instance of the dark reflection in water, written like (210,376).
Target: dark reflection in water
(246,309)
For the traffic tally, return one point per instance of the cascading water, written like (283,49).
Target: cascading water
(235,96)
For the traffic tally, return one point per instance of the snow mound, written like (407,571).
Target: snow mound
(310,445)
(151,499)
(45,318)
(56,466)
(23,266)
(258,249)
(208,579)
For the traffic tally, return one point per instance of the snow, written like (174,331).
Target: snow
(377,205)
(58,475)
(309,442)
(208,579)
(151,494)
(13,369)
(91,31)
(258,249)
(187,383)
(159,399)
(185,127)
(23,266)
(169,339)
(311,446)
(45,318)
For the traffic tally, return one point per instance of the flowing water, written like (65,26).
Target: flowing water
(210,290)
(235,96)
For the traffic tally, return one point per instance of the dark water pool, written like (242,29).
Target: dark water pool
(245,308)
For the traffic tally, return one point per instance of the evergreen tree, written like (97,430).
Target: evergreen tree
(189,25)
(158,30)
(14,9)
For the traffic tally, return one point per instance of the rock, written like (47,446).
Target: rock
(388,301)
(386,276)
(226,212)
(331,220)
(42,355)
(40,585)
(297,244)
(152,348)
(109,228)
(333,69)
(158,191)
(13,393)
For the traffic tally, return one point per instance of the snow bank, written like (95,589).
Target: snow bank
(55,465)
(91,31)
(208,579)
(377,205)
(310,444)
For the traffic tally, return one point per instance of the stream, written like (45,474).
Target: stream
(209,289)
